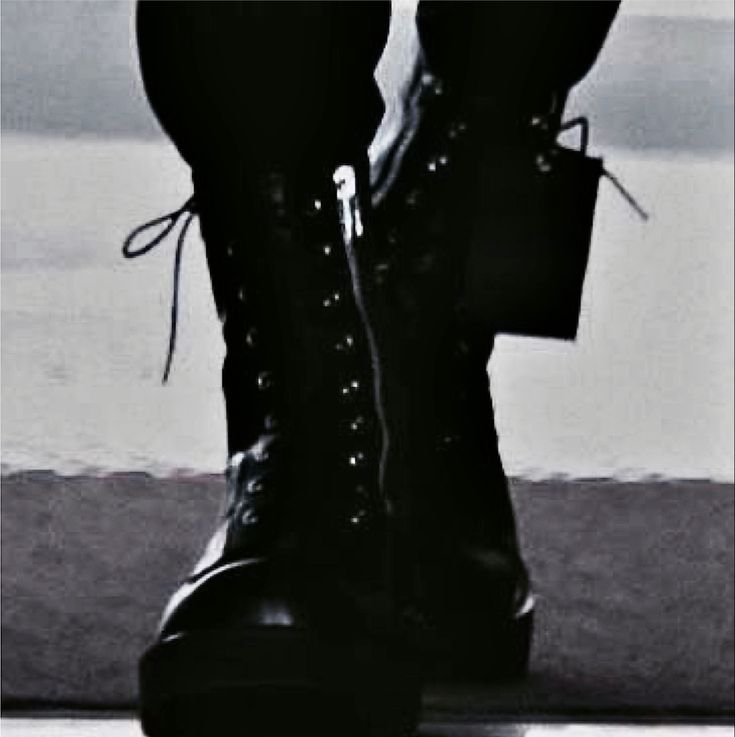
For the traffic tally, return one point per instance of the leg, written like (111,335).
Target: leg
(512,56)
(263,81)
(493,67)
(312,101)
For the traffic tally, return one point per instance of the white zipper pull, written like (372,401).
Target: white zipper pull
(350,217)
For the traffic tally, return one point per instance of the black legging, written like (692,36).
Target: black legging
(280,80)
(294,80)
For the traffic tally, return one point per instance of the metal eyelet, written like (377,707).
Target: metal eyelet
(315,207)
(449,440)
(457,129)
(412,199)
(350,389)
(264,380)
(543,163)
(381,271)
(255,486)
(277,195)
(249,517)
(357,425)
(434,85)
(346,344)
(540,123)
(358,517)
(357,459)
(327,249)
(233,465)
(251,337)
(331,300)
(438,162)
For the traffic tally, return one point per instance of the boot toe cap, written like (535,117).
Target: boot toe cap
(239,594)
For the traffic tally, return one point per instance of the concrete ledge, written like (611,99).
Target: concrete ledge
(634,580)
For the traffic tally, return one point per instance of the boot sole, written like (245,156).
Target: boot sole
(274,682)
(503,656)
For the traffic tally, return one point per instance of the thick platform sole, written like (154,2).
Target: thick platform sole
(275,682)
(501,653)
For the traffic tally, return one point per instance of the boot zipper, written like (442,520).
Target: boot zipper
(352,226)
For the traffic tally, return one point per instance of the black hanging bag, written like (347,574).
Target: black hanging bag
(531,235)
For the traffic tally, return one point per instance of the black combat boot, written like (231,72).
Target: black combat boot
(487,98)
(464,587)
(287,621)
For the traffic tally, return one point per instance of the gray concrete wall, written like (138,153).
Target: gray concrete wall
(663,82)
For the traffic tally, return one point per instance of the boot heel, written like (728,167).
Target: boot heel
(515,653)
(503,656)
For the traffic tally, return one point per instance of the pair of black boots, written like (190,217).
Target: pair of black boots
(367,541)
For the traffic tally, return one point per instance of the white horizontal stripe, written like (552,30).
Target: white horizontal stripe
(130,728)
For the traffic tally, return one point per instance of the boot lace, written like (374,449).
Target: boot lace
(163,226)
(583,124)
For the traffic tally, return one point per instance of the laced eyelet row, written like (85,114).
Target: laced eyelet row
(255,487)
(246,489)
(419,195)
(333,309)
(337,312)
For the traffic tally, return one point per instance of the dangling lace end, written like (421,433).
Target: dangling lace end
(627,196)
(583,124)
(175,297)
(169,222)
